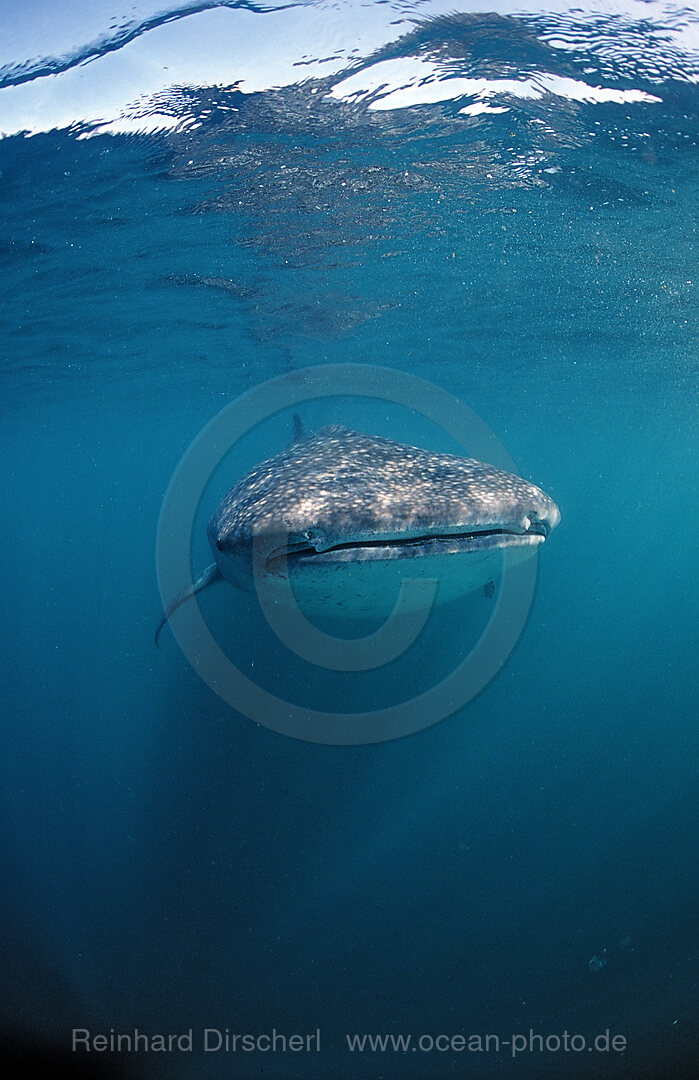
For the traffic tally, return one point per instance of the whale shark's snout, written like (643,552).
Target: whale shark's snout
(338,509)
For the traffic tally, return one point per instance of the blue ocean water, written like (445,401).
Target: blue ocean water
(502,204)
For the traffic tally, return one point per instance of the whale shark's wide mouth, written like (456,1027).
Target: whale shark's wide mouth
(392,547)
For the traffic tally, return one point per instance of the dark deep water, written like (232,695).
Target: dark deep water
(528,863)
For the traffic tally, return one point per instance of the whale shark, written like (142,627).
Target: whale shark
(345,516)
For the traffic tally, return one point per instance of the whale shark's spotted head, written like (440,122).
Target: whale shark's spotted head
(342,496)
(340,511)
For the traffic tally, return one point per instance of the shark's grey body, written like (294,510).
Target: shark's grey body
(342,511)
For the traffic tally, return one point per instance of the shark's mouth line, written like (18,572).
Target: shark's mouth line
(537,529)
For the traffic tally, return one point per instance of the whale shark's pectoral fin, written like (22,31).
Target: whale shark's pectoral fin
(210,575)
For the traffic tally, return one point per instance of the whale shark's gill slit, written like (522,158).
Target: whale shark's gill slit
(208,577)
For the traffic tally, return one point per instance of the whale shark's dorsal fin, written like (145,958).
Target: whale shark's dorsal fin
(210,575)
(299,429)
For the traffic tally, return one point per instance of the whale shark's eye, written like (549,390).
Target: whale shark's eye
(219,545)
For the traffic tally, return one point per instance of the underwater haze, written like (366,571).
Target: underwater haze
(500,200)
